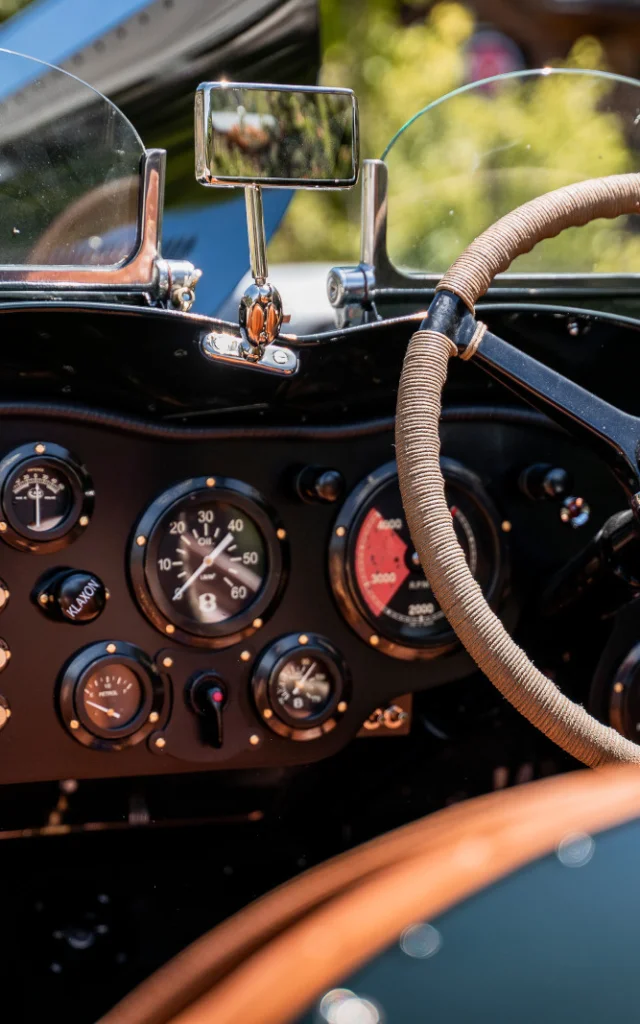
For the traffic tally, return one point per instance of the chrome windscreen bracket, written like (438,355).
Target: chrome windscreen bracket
(144,279)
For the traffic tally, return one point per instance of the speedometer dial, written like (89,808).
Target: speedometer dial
(376,573)
(207,561)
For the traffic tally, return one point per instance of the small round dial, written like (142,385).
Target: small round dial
(210,564)
(40,497)
(111,696)
(46,495)
(299,686)
(376,573)
(302,688)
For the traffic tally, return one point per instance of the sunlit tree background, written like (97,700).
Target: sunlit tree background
(471,159)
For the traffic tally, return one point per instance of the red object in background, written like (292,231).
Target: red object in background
(490,53)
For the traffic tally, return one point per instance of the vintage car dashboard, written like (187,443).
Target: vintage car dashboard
(207,567)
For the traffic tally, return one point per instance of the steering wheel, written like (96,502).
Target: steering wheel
(450,329)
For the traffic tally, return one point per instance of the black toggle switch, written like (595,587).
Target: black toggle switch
(208,697)
(71,595)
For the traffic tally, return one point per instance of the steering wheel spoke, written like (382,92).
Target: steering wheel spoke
(609,431)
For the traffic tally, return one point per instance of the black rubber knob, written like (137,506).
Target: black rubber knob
(72,595)
(543,481)
(317,484)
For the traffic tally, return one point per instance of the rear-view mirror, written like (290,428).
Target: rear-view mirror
(276,136)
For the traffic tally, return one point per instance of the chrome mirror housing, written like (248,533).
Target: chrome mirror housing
(263,136)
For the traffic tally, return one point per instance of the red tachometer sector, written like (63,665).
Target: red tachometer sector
(380,562)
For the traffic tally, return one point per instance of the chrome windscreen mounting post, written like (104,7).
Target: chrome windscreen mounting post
(260,313)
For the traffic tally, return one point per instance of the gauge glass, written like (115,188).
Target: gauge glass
(111,696)
(384,571)
(302,687)
(209,561)
(40,497)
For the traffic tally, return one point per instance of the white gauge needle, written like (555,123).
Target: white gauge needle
(36,495)
(207,561)
(300,684)
(108,711)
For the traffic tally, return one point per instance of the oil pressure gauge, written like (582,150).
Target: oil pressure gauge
(301,686)
(207,561)
(46,497)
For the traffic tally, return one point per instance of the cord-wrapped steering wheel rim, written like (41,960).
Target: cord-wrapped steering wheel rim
(421,483)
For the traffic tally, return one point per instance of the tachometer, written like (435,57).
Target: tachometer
(207,561)
(376,573)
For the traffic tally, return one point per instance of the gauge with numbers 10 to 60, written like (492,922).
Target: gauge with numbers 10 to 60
(208,561)
(376,574)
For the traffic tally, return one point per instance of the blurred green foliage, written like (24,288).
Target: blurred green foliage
(468,161)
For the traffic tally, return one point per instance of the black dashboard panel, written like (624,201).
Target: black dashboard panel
(129,471)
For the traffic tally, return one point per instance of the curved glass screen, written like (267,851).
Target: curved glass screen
(69,170)
(471,157)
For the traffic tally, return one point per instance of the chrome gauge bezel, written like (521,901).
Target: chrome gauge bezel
(143,550)
(153,708)
(76,520)
(270,663)
(345,588)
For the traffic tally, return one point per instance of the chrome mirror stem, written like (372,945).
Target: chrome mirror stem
(260,312)
(257,236)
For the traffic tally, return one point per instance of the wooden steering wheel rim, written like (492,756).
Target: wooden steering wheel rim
(336,917)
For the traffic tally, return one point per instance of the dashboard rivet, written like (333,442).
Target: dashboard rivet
(154,716)
(169,628)
(211,481)
(506,526)
(111,648)
(141,541)
(303,639)
(40,449)
(374,640)
(160,742)
(618,688)
(44,598)
(267,713)
(340,532)
(3,527)
(254,740)
(74,724)
(245,655)
(342,706)
(84,520)
(258,623)
(281,534)
(167,662)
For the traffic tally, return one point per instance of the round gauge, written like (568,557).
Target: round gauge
(376,573)
(624,700)
(299,686)
(46,496)
(111,696)
(207,562)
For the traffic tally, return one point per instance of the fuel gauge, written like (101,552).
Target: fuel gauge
(300,684)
